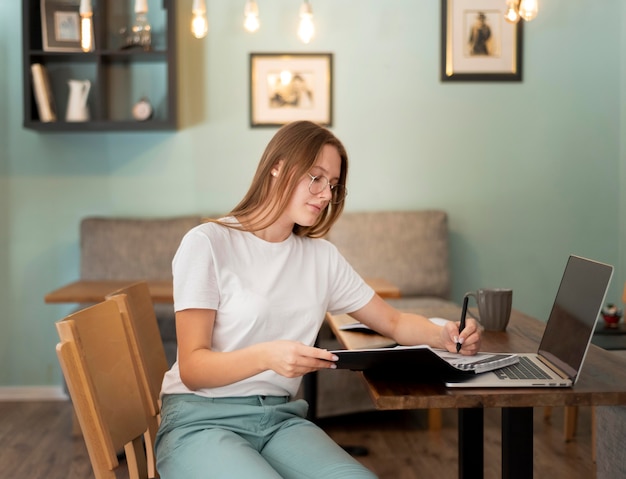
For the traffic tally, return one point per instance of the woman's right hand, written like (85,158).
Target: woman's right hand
(201,367)
(294,359)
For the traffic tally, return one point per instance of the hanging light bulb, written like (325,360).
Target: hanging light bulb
(306,29)
(528,9)
(86,25)
(199,22)
(511,15)
(141,30)
(251,16)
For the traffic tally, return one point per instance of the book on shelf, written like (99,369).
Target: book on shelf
(43,93)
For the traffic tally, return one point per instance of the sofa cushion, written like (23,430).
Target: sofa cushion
(610,431)
(407,248)
(130,248)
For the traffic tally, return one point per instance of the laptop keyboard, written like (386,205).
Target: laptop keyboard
(524,369)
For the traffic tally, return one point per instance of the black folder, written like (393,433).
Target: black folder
(420,361)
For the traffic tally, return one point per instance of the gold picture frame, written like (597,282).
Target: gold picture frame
(477,44)
(286,87)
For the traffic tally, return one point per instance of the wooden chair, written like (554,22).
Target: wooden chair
(102,380)
(135,304)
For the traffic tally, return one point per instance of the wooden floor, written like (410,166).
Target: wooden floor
(36,442)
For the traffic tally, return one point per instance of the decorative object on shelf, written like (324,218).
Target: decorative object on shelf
(476,45)
(141,31)
(60,25)
(77,109)
(306,29)
(199,22)
(86,26)
(611,315)
(251,16)
(285,87)
(43,93)
(142,110)
(516,9)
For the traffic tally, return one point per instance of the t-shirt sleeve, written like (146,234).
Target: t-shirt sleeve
(193,269)
(349,292)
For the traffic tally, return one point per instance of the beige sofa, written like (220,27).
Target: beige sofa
(407,248)
(610,424)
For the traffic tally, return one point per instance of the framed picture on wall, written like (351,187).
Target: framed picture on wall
(286,87)
(477,44)
(60,25)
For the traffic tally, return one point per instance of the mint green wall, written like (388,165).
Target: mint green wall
(622,152)
(529,172)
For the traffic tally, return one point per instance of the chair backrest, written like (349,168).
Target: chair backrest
(102,380)
(135,303)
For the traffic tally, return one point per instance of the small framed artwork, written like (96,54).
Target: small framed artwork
(286,87)
(60,25)
(477,44)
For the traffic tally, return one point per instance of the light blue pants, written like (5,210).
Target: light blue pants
(260,437)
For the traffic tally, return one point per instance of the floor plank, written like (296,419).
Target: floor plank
(36,441)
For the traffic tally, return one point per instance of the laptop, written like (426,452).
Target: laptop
(567,335)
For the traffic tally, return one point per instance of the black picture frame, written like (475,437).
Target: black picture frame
(286,87)
(496,56)
(60,25)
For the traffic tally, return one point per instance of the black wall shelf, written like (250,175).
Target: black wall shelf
(119,76)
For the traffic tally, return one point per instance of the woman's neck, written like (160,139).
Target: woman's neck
(276,232)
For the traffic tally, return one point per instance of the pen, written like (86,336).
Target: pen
(462,325)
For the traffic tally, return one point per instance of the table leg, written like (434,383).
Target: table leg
(309,391)
(517,443)
(309,382)
(471,440)
(570,420)
(435,419)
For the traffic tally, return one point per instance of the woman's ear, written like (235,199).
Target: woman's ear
(276,168)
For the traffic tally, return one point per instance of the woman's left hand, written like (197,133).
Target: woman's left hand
(470,338)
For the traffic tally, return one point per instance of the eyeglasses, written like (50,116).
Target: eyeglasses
(319,184)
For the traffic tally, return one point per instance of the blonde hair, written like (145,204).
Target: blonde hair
(296,146)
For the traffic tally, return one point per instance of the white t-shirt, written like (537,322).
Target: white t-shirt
(261,291)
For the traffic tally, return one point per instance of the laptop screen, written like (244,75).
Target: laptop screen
(573,317)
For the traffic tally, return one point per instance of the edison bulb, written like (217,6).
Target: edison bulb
(251,13)
(306,29)
(528,9)
(511,14)
(199,22)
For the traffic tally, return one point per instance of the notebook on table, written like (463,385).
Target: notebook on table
(567,335)
(420,360)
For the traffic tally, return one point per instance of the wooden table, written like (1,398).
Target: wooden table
(89,291)
(602,382)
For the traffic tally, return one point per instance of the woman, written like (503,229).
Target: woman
(250,293)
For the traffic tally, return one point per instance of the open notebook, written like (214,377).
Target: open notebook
(565,341)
